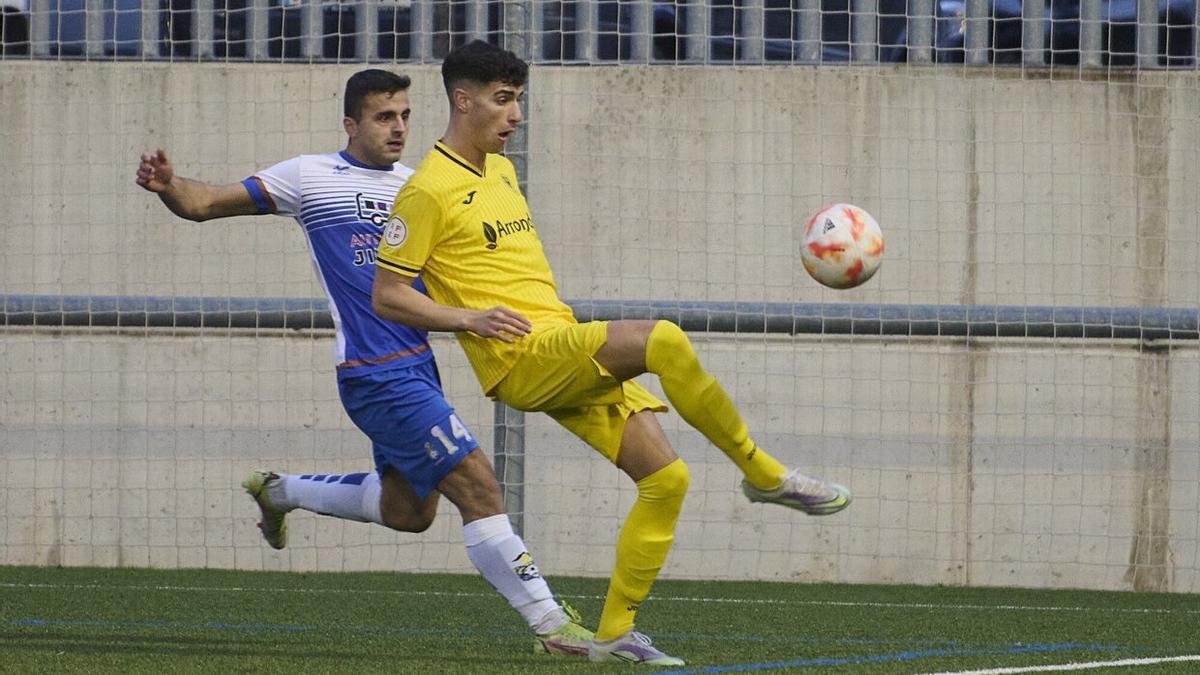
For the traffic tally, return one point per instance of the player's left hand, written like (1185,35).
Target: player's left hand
(501,323)
(155,171)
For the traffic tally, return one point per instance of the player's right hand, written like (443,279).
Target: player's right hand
(155,172)
(501,323)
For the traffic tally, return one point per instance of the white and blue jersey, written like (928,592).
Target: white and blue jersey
(343,204)
(387,378)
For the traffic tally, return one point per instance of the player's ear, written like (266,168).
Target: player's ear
(462,100)
(350,125)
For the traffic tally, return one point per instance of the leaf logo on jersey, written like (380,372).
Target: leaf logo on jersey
(525,567)
(489,233)
(493,232)
(508,183)
(396,231)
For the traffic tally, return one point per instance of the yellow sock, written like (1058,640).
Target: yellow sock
(642,547)
(702,403)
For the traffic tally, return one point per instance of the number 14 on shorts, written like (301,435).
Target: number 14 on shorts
(458,431)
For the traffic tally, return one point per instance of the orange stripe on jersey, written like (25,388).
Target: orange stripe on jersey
(262,186)
(383,359)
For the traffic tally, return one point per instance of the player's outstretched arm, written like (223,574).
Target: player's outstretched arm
(394,298)
(188,198)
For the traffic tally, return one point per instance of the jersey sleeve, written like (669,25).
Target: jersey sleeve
(414,228)
(276,189)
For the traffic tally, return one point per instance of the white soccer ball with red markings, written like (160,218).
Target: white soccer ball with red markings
(842,246)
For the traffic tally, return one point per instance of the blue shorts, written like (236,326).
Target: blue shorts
(413,427)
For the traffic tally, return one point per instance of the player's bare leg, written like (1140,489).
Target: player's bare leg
(400,507)
(645,539)
(662,348)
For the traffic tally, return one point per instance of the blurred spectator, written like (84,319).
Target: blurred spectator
(14,27)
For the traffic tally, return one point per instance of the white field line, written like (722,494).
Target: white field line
(659,598)
(1088,665)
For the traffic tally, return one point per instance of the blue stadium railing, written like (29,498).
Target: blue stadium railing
(1112,33)
(1139,323)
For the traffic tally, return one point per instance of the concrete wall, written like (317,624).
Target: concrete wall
(1001,462)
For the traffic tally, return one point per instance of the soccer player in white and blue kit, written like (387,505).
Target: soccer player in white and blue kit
(387,376)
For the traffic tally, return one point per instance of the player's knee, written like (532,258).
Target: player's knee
(669,483)
(669,334)
(408,521)
(414,524)
(408,515)
(668,347)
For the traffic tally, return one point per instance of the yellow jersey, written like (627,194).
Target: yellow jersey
(472,239)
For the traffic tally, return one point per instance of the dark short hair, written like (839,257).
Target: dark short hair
(370,81)
(482,63)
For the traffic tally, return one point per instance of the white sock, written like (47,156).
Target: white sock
(353,496)
(500,556)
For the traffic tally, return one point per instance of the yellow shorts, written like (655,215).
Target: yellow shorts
(558,375)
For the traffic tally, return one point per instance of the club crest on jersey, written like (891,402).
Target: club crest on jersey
(372,210)
(525,568)
(396,231)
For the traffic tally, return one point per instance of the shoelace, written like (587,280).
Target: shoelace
(808,485)
(642,638)
(573,614)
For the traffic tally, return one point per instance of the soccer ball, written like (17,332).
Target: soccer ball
(842,246)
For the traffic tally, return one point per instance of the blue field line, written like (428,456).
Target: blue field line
(257,627)
(901,656)
(398,630)
(804,640)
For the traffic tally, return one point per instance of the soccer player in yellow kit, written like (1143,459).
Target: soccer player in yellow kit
(462,223)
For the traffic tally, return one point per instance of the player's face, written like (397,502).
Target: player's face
(377,136)
(495,113)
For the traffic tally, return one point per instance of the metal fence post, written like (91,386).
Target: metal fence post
(978,38)
(921,25)
(202,30)
(1147,33)
(696,35)
(1033,34)
(752,18)
(864,31)
(94,37)
(509,455)
(260,34)
(1090,33)
(477,20)
(509,424)
(641,31)
(312,29)
(810,31)
(149,29)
